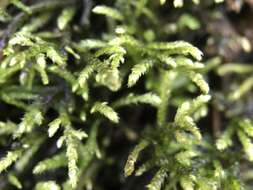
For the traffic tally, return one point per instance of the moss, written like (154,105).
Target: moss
(82,84)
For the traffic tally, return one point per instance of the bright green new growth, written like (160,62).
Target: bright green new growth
(47,185)
(14,181)
(157,181)
(108,11)
(132,158)
(148,98)
(72,156)
(183,116)
(54,162)
(137,71)
(6,161)
(105,110)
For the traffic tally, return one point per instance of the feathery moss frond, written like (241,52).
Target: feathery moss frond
(110,49)
(21,39)
(107,111)
(225,139)
(14,181)
(72,156)
(138,70)
(133,156)
(87,71)
(188,63)
(200,82)
(147,98)
(158,180)
(178,47)
(41,68)
(108,11)
(11,157)
(65,18)
(247,144)
(32,117)
(145,167)
(52,163)
(47,185)
(55,56)
(183,118)
(54,126)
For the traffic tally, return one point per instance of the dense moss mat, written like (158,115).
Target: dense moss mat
(126,94)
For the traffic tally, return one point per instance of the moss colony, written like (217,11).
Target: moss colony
(126,94)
